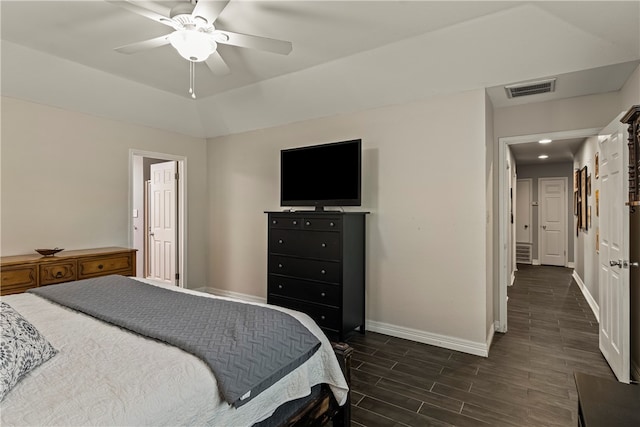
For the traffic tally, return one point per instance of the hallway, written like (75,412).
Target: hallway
(526,380)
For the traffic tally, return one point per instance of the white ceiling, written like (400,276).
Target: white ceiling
(347,56)
(559,151)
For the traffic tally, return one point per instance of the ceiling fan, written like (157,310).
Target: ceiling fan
(195,37)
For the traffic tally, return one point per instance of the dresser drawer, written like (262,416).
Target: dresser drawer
(102,266)
(325,317)
(322,224)
(57,272)
(320,293)
(325,271)
(309,244)
(285,222)
(18,279)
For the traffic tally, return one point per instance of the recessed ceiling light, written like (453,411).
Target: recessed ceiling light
(544,141)
(543,156)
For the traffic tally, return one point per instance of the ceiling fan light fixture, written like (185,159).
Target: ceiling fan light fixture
(194,46)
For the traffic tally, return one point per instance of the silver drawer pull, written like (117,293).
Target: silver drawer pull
(322,317)
(323,294)
(307,223)
(279,265)
(279,286)
(324,245)
(295,222)
(323,272)
(274,222)
(331,224)
(280,241)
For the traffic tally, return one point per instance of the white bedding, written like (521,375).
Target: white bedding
(104,375)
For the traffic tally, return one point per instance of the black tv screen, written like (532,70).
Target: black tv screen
(321,175)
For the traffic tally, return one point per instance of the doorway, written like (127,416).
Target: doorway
(504,250)
(140,233)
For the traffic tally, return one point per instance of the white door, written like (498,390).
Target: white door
(162,222)
(614,250)
(523,211)
(552,219)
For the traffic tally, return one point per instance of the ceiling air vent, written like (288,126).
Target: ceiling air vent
(530,88)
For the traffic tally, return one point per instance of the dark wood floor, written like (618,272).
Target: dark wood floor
(527,380)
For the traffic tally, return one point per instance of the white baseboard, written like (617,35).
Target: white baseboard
(513,278)
(571,265)
(452,343)
(635,371)
(490,332)
(535,262)
(587,295)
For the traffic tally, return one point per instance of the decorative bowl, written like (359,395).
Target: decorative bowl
(49,252)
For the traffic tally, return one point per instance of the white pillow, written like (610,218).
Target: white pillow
(22,348)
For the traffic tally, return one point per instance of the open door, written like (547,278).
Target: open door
(163,228)
(614,250)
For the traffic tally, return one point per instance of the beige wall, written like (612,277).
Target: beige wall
(583,112)
(65,180)
(586,259)
(424,187)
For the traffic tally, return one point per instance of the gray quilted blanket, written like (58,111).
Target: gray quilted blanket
(247,347)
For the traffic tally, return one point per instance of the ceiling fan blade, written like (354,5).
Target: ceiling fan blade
(217,65)
(147,13)
(209,9)
(144,45)
(254,42)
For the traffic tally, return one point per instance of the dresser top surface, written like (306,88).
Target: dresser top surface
(315,213)
(35,257)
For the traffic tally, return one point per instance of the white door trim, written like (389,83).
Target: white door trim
(564,216)
(182,204)
(503,214)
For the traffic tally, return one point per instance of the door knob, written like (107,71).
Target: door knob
(544,227)
(614,263)
(526,226)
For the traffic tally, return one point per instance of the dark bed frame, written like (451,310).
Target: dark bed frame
(324,408)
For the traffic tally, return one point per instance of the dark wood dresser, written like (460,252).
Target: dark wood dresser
(22,272)
(316,264)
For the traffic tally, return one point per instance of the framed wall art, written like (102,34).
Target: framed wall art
(583,199)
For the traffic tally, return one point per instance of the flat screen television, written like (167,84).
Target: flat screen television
(321,175)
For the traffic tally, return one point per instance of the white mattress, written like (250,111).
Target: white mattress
(104,375)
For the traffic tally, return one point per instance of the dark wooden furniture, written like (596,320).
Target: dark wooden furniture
(316,264)
(632,118)
(22,272)
(324,408)
(604,402)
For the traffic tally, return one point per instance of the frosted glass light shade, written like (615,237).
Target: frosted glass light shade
(192,45)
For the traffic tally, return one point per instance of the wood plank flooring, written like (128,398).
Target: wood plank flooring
(527,380)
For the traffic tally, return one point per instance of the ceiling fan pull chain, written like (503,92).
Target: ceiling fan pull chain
(190,79)
(193,80)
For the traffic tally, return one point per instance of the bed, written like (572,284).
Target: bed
(105,375)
